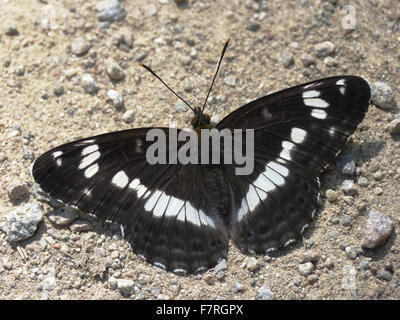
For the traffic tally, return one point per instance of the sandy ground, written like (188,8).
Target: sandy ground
(183,43)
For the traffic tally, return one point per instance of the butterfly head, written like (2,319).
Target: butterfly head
(200,119)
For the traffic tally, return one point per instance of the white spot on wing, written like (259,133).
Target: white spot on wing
(120,179)
(298,135)
(341,82)
(90,149)
(89,159)
(278,168)
(319,114)
(252,198)
(264,183)
(316,102)
(151,202)
(92,170)
(138,187)
(286,151)
(311,94)
(161,205)
(288,242)
(56,154)
(243,210)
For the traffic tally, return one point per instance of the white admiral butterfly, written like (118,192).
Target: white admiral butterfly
(181,217)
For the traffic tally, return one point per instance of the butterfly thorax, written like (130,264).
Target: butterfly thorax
(200,120)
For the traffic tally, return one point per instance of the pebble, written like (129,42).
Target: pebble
(384,275)
(307,60)
(17,190)
(376,230)
(239,287)
(116,99)
(89,84)
(12,31)
(324,49)
(114,70)
(99,252)
(144,279)
(331,195)
(180,107)
(352,252)
(80,225)
(330,62)
(64,215)
(382,95)
(346,164)
(264,293)
(311,255)
(363,182)
(128,116)
(349,278)
(253,26)
(80,46)
(110,10)
(230,81)
(21,223)
(349,187)
(126,286)
(7,264)
(221,266)
(394,126)
(209,278)
(287,59)
(2,156)
(150,10)
(252,264)
(58,89)
(306,269)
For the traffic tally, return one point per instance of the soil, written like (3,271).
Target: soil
(182,43)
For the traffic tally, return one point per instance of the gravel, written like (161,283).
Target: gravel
(287,59)
(114,70)
(128,116)
(252,264)
(382,95)
(349,187)
(21,223)
(64,215)
(116,99)
(80,225)
(17,190)
(80,46)
(182,44)
(89,84)
(110,10)
(126,286)
(324,49)
(307,60)
(253,26)
(264,293)
(306,269)
(376,230)
(394,126)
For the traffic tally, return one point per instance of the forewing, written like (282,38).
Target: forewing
(298,133)
(164,210)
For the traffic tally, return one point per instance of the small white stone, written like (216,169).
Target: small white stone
(128,116)
(306,269)
(116,99)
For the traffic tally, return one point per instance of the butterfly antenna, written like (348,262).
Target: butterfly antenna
(154,74)
(215,75)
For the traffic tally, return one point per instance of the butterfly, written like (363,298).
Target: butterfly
(181,217)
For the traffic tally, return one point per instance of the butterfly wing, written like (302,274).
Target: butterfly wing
(298,133)
(165,210)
